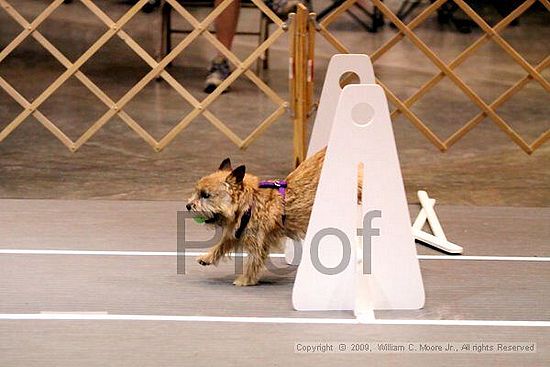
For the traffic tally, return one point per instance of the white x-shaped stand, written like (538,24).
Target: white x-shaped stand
(438,239)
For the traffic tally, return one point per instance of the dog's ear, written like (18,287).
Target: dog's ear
(225,165)
(236,176)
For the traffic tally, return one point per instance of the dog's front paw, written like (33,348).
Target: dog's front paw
(244,281)
(204,261)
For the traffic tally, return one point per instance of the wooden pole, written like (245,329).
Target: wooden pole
(310,62)
(299,81)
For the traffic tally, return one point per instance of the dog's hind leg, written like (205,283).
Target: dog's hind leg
(255,263)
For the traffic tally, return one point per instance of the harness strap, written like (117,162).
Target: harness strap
(244,222)
(281,186)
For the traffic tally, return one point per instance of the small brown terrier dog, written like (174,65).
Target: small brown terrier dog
(255,219)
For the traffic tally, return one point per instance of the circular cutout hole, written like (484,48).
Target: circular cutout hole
(362,114)
(349,77)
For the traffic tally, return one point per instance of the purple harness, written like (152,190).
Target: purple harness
(280,185)
(276,184)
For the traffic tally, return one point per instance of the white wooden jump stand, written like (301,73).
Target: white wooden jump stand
(339,269)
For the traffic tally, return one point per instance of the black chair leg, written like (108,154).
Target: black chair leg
(166,31)
(263,61)
(165,34)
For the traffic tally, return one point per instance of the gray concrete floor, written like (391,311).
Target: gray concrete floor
(103,284)
(485,168)
(126,343)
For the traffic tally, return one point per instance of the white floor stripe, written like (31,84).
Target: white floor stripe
(196,253)
(268,320)
(483,258)
(74,312)
(93,252)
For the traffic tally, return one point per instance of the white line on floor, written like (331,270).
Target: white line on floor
(483,258)
(93,252)
(195,253)
(74,312)
(268,320)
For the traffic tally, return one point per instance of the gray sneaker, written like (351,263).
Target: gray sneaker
(217,73)
(282,7)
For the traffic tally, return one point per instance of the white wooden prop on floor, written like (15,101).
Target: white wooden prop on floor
(331,275)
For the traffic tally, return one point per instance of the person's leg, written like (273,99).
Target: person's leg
(226,23)
(226,26)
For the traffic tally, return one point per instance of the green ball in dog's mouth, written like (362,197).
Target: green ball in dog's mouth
(200,219)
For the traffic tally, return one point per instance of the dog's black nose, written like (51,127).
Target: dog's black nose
(188,206)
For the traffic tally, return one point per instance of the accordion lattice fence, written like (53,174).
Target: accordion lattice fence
(158,69)
(301,53)
(533,72)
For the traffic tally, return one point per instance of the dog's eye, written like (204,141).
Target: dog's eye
(204,195)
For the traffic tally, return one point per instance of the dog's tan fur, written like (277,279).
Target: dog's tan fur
(227,194)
